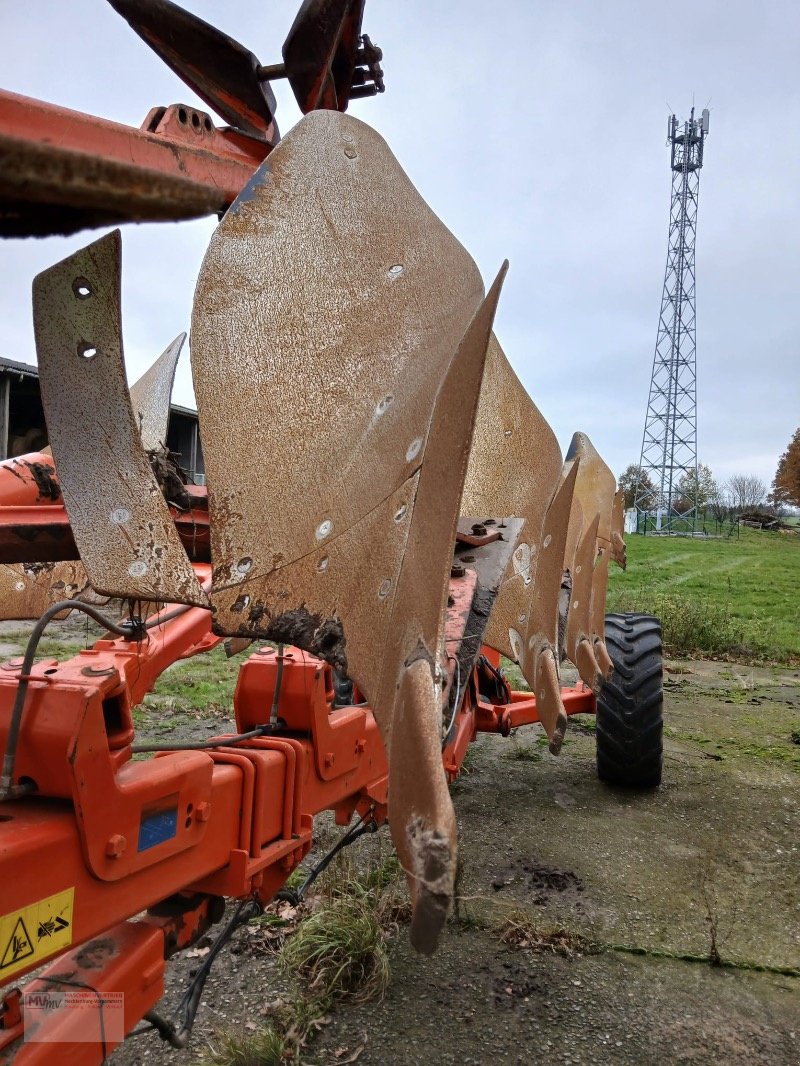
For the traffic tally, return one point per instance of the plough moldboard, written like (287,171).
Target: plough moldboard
(386,511)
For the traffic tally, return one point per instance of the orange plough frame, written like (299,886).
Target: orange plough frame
(176,833)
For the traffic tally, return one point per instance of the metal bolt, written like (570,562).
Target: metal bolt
(457,570)
(115,845)
(202,811)
(330,759)
(479,529)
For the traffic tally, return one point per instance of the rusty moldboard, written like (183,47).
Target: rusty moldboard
(514,469)
(151,395)
(579,640)
(328,312)
(121,524)
(28,590)
(595,498)
(618,550)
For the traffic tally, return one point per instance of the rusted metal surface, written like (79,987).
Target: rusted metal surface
(595,491)
(536,649)
(514,468)
(121,524)
(27,590)
(618,550)
(368,297)
(61,171)
(324,58)
(219,69)
(333,367)
(599,591)
(151,395)
(420,811)
(579,642)
(596,485)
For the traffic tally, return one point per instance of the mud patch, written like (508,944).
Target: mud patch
(514,988)
(46,481)
(171,477)
(501,987)
(543,882)
(302,629)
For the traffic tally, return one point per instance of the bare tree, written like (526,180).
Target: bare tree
(719,504)
(746,491)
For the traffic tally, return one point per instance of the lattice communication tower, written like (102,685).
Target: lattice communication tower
(667,490)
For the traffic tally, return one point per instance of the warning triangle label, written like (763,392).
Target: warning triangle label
(19,946)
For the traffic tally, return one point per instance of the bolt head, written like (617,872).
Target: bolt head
(115,845)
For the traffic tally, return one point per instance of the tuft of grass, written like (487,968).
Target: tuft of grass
(583,723)
(334,946)
(522,752)
(339,950)
(513,675)
(696,627)
(265,1047)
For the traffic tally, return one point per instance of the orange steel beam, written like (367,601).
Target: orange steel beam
(93,171)
(40,532)
(491,718)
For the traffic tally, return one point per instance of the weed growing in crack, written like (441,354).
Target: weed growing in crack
(709,897)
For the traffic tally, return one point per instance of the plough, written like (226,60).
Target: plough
(386,514)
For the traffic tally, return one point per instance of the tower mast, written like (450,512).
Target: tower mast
(668,463)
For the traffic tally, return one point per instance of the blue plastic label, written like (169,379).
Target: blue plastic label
(158,827)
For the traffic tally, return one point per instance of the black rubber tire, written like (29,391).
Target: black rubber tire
(630,707)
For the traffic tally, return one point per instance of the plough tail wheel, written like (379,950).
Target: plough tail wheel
(630,719)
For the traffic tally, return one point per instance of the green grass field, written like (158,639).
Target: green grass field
(736,597)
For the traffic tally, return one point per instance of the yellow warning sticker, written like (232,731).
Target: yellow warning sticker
(32,933)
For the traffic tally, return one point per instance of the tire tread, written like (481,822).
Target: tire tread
(630,716)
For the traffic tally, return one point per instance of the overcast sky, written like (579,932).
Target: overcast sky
(536,130)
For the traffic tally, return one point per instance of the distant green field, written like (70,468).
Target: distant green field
(737,597)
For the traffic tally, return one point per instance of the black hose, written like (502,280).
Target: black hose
(276,698)
(177,1033)
(202,745)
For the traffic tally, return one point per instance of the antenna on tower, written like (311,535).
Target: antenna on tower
(667,490)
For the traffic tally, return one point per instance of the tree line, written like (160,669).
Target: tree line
(740,493)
